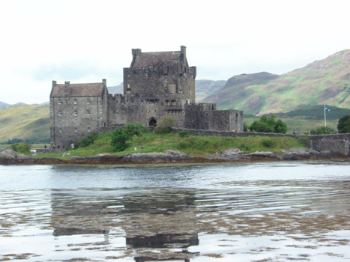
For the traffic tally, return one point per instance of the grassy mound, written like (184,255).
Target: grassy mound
(195,145)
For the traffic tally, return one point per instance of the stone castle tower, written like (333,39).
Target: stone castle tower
(156,85)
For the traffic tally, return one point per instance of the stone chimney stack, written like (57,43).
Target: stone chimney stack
(183,51)
(136,52)
(66,83)
(104,82)
(54,83)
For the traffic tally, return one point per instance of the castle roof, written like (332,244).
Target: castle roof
(88,89)
(147,59)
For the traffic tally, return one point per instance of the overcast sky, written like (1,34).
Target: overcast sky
(82,41)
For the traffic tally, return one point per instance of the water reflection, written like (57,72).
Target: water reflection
(159,224)
(225,213)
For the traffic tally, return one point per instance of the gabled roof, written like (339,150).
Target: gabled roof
(88,89)
(148,59)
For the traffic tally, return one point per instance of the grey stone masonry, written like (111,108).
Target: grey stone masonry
(156,85)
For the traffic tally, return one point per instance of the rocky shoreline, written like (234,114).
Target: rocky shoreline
(9,157)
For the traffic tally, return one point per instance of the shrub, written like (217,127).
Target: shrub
(184,133)
(268,143)
(119,140)
(344,124)
(165,125)
(21,148)
(269,124)
(280,127)
(322,131)
(121,136)
(90,139)
(134,130)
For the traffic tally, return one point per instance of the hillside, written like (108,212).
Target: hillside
(325,81)
(118,89)
(316,112)
(205,88)
(29,122)
(235,87)
(3,105)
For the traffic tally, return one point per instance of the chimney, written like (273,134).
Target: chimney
(66,83)
(104,82)
(136,52)
(183,50)
(54,83)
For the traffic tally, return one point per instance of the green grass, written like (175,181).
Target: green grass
(194,145)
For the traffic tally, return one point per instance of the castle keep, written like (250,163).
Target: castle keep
(156,85)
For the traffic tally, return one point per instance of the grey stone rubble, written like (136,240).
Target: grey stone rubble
(156,85)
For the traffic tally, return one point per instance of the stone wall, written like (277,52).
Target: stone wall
(205,116)
(73,118)
(337,144)
(153,84)
(230,133)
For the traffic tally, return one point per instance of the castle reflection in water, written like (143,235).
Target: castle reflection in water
(158,225)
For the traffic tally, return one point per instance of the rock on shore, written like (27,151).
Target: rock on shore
(10,154)
(167,156)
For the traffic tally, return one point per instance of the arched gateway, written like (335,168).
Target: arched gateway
(152,122)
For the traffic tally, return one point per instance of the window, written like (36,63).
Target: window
(75,113)
(88,129)
(75,102)
(76,130)
(59,113)
(88,111)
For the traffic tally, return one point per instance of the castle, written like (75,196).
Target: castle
(156,85)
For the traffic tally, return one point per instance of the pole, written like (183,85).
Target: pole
(324,115)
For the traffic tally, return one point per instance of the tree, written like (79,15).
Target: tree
(269,124)
(280,127)
(119,140)
(344,124)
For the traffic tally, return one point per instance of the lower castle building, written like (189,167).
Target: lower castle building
(156,85)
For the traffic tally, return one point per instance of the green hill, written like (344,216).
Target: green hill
(316,112)
(205,88)
(27,122)
(322,82)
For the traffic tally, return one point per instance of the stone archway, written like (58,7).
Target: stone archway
(152,122)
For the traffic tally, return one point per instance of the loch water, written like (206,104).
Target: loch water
(234,212)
